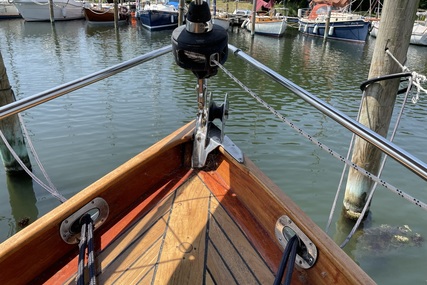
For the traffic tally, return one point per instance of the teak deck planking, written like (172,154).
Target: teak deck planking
(188,238)
(170,224)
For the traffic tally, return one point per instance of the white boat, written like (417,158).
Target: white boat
(8,10)
(38,10)
(267,23)
(419,31)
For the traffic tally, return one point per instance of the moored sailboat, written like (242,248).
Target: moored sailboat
(8,10)
(38,10)
(331,18)
(105,15)
(419,30)
(267,21)
(158,16)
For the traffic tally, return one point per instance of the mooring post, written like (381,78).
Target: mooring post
(377,105)
(253,18)
(51,12)
(116,15)
(327,23)
(11,128)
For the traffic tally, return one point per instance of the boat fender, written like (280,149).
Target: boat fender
(315,29)
(64,12)
(331,31)
(305,28)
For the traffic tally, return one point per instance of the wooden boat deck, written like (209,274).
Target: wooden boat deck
(170,246)
(171,224)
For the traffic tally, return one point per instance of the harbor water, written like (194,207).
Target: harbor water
(83,135)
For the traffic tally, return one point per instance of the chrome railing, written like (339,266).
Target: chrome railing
(39,98)
(394,151)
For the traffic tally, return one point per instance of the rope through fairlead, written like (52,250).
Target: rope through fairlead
(86,241)
(289,255)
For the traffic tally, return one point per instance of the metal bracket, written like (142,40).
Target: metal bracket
(307,251)
(71,226)
(207,136)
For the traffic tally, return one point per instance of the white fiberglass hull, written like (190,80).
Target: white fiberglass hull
(269,28)
(38,10)
(8,10)
(418,35)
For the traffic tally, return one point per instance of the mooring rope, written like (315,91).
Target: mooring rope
(289,255)
(374,187)
(361,170)
(418,79)
(25,168)
(51,188)
(86,241)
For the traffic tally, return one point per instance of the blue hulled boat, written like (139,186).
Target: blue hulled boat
(343,25)
(159,16)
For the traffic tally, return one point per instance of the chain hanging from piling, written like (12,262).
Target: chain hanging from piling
(364,172)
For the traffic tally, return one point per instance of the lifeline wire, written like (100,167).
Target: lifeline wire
(324,147)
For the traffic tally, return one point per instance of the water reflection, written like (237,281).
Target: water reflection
(22,201)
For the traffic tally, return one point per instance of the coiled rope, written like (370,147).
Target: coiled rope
(364,172)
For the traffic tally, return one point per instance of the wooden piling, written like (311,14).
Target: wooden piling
(11,128)
(253,18)
(327,23)
(51,12)
(377,106)
(116,14)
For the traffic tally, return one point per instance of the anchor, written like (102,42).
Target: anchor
(196,46)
